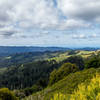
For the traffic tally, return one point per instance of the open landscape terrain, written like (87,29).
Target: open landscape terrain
(44,75)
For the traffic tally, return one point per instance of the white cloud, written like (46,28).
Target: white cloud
(80,9)
(85,36)
(35,13)
(24,15)
(79,36)
(29,14)
(8,31)
(94,35)
(75,24)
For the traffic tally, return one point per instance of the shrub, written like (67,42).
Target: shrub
(88,92)
(84,91)
(60,96)
(6,94)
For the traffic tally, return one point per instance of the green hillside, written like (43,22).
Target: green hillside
(66,85)
(66,54)
(22,58)
(84,91)
(56,72)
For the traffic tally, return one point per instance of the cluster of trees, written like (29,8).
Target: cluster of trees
(77,60)
(63,71)
(27,75)
(40,85)
(93,62)
(16,59)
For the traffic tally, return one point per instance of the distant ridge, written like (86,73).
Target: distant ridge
(23,49)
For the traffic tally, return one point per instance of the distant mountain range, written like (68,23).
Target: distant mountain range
(15,49)
(23,49)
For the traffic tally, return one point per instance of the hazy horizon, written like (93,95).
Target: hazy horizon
(51,46)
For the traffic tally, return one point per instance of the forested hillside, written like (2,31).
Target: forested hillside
(22,58)
(17,59)
(44,76)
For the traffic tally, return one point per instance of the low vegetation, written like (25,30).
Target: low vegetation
(6,94)
(84,91)
(67,85)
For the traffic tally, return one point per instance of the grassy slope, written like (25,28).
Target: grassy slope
(22,58)
(65,55)
(29,57)
(65,86)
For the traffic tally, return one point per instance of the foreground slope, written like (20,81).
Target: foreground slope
(84,91)
(66,85)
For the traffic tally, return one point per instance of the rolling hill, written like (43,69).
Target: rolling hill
(66,85)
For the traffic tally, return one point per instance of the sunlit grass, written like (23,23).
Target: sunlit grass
(84,91)
(65,55)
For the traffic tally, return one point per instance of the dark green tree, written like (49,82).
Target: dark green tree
(63,71)
(78,60)
(93,62)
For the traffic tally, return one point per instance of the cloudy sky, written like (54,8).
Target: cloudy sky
(67,23)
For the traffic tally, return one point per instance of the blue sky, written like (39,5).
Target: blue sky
(66,23)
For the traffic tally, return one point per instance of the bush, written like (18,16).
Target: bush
(6,94)
(33,89)
(84,91)
(63,71)
(60,96)
(88,92)
(93,63)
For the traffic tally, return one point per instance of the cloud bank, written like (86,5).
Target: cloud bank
(20,18)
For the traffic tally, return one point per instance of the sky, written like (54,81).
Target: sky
(62,23)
